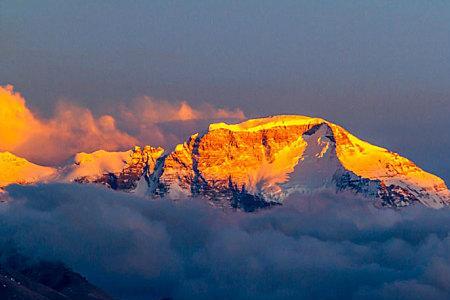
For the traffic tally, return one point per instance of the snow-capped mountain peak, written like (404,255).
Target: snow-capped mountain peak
(269,158)
(258,163)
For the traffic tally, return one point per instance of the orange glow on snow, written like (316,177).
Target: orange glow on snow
(261,154)
(18,170)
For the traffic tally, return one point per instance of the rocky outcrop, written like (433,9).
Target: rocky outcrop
(117,170)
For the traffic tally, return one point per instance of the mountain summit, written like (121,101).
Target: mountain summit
(260,162)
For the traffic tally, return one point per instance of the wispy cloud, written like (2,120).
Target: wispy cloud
(167,123)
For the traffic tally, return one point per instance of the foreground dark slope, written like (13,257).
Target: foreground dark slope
(44,281)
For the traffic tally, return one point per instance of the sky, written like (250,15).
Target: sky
(381,69)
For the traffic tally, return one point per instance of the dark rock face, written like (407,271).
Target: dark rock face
(143,161)
(346,180)
(396,196)
(388,196)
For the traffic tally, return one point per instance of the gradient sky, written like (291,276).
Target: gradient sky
(381,69)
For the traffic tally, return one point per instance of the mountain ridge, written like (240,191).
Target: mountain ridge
(259,162)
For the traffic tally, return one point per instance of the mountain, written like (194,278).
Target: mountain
(118,170)
(14,169)
(259,163)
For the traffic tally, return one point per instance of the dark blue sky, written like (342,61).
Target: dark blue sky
(379,68)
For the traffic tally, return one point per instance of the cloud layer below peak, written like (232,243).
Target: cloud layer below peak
(314,247)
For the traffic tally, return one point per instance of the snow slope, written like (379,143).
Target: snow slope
(14,169)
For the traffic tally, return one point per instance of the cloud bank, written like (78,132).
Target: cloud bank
(73,129)
(315,247)
(166,123)
(70,130)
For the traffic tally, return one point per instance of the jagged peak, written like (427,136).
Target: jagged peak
(148,149)
(84,157)
(100,162)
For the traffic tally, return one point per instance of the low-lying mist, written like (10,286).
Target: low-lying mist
(324,246)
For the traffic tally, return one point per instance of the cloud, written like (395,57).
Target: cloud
(323,246)
(73,129)
(151,110)
(16,121)
(166,123)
